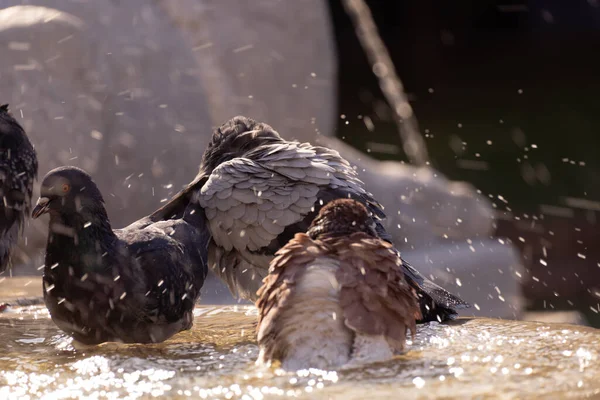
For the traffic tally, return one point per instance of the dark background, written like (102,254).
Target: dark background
(507,94)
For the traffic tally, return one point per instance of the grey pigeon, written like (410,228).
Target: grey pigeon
(138,284)
(258,190)
(335,295)
(18,170)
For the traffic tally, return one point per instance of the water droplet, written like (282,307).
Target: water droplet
(419,382)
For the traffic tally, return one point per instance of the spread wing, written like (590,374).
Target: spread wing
(248,205)
(254,205)
(285,271)
(374,295)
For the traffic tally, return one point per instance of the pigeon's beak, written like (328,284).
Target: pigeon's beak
(41,207)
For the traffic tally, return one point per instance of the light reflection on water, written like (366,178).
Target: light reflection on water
(470,359)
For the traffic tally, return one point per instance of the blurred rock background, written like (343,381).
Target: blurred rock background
(505,92)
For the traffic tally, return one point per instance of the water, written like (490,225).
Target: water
(478,358)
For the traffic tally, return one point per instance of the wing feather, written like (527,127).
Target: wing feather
(267,203)
(374,294)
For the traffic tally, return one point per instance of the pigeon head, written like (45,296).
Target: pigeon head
(66,191)
(233,139)
(342,217)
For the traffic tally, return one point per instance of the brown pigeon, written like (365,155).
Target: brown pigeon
(335,295)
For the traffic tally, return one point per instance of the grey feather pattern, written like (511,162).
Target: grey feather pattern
(249,201)
(280,182)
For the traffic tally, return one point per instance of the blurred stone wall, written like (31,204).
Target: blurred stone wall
(130,90)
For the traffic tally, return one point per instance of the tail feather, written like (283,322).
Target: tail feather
(436,303)
(176,207)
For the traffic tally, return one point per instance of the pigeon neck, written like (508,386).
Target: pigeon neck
(84,221)
(79,241)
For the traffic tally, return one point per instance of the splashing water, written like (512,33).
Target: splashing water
(476,358)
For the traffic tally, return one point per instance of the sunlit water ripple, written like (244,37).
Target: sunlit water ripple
(469,359)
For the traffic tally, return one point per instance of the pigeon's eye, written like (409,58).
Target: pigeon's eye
(66,187)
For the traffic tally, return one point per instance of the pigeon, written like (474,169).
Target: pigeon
(18,170)
(258,190)
(138,284)
(335,295)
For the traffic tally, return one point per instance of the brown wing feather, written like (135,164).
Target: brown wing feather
(284,272)
(374,294)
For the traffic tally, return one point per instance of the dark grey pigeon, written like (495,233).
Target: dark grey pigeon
(258,190)
(18,170)
(138,284)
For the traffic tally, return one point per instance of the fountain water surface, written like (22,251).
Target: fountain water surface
(469,358)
